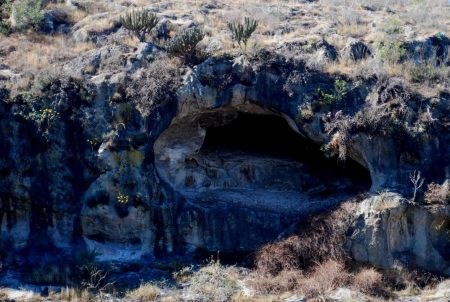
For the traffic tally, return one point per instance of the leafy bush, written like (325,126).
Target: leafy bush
(426,72)
(391,52)
(139,22)
(5,11)
(241,33)
(338,93)
(184,44)
(27,14)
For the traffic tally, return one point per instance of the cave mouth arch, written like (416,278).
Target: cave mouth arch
(230,152)
(246,176)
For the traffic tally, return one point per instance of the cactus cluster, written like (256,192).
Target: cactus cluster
(139,22)
(184,43)
(241,33)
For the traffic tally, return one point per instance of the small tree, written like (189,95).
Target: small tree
(417,182)
(241,33)
(184,44)
(139,22)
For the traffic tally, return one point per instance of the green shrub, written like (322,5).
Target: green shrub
(425,71)
(27,14)
(338,93)
(184,44)
(5,12)
(139,22)
(391,52)
(241,33)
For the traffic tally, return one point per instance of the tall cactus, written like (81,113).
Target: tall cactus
(241,33)
(139,22)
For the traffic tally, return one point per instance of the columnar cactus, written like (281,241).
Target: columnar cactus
(139,22)
(241,33)
(184,43)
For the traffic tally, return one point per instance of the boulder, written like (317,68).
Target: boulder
(388,231)
(356,50)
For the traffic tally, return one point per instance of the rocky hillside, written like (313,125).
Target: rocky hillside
(133,148)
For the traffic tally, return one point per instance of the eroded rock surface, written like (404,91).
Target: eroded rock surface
(101,175)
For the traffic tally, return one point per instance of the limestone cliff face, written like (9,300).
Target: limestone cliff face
(93,172)
(387,233)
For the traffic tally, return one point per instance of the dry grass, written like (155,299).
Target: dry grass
(38,51)
(30,55)
(322,279)
(95,24)
(313,244)
(368,281)
(325,277)
(146,292)
(279,21)
(212,282)
(285,281)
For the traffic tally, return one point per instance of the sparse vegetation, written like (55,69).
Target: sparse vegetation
(139,22)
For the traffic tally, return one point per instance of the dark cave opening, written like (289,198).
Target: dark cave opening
(270,135)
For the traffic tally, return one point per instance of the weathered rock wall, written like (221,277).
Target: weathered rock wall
(83,172)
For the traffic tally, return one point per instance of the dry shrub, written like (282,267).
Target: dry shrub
(155,85)
(368,281)
(322,279)
(438,193)
(145,292)
(325,277)
(285,281)
(212,282)
(322,240)
(409,280)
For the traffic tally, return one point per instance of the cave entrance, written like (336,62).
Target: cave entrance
(227,153)
(269,139)
(246,176)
